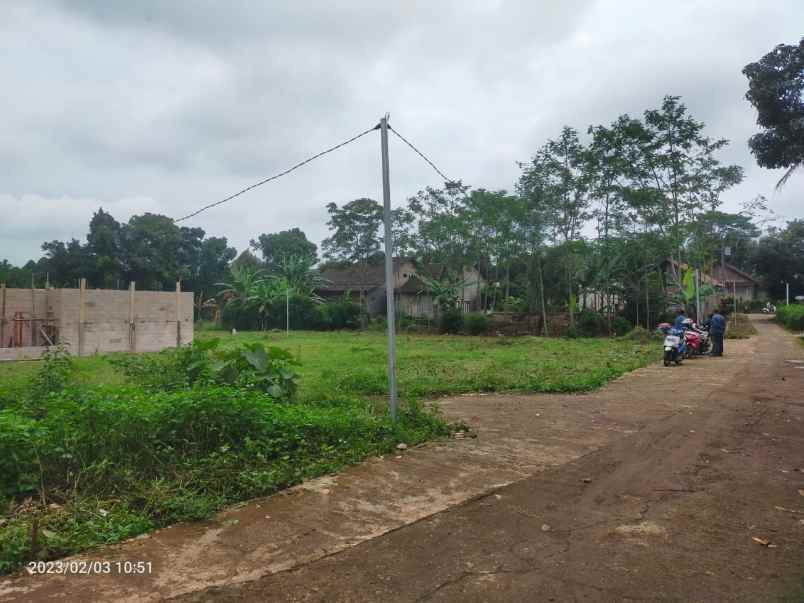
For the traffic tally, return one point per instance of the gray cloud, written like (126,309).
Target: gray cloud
(166,106)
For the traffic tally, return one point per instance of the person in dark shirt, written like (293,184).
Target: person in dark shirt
(717,329)
(680,318)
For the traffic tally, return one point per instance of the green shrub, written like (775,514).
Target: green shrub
(514,304)
(589,323)
(450,320)
(475,323)
(621,325)
(341,314)
(54,373)
(121,461)
(248,366)
(792,316)
(640,335)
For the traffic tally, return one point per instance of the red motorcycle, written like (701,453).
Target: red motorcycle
(696,339)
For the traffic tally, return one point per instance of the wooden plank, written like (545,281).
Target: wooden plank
(132,333)
(82,288)
(2,314)
(178,314)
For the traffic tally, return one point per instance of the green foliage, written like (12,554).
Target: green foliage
(475,323)
(792,316)
(253,366)
(278,247)
(590,324)
(55,372)
(339,314)
(640,335)
(621,325)
(249,366)
(120,461)
(450,320)
(514,304)
(775,88)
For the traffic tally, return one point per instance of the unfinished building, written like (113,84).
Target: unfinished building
(92,321)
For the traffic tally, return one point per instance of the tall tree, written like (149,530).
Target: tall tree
(779,259)
(103,247)
(557,181)
(776,89)
(355,231)
(277,247)
(682,163)
(150,243)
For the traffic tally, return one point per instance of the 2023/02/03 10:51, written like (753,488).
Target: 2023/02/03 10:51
(87,567)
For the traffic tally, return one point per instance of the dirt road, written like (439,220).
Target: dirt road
(669,484)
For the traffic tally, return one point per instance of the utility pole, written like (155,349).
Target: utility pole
(787,294)
(697,296)
(389,268)
(287,310)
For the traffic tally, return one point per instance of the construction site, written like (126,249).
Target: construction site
(92,321)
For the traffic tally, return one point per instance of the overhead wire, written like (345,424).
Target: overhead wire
(279,175)
(422,155)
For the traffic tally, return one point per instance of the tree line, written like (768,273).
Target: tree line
(594,212)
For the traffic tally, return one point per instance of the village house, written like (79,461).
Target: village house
(737,283)
(367,282)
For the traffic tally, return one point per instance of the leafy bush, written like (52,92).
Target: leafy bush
(54,374)
(248,366)
(341,314)
(589,323)
(640,335)
(621,325)
(514,304)
(450,320)
(792,316)
(475,323)
(252,366)
(118,462)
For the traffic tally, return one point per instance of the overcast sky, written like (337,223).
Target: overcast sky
(146,105)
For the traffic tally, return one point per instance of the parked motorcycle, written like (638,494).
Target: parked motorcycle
(675,347)
(696,339)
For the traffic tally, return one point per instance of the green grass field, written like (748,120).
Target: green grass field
(335,364)
(102,458)
(355,363)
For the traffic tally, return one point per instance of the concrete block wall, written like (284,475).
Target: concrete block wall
(92,321)
(31,303)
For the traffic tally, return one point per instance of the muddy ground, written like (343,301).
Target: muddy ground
(677,484)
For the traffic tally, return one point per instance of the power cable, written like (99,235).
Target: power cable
(279,175)
(422,155)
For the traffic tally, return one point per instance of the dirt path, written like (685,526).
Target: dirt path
(651,488)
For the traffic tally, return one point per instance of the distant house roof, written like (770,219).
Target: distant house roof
(730,274)
(353,277)
(356,277)
(366,277)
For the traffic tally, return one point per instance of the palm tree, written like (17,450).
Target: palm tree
(263,294)
(238,289)
(299,277)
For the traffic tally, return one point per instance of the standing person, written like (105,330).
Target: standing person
(717,329)
(680,318)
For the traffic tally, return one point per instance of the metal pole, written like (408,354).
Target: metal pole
(697,296)
(735,301)
(389,268)
(787,294)
(287,310)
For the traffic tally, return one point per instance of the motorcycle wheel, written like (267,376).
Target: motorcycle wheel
(667,358)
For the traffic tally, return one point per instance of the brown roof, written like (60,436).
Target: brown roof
(731,273)
(356,276)
(370,276)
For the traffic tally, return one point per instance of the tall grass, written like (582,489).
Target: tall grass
(792,316)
